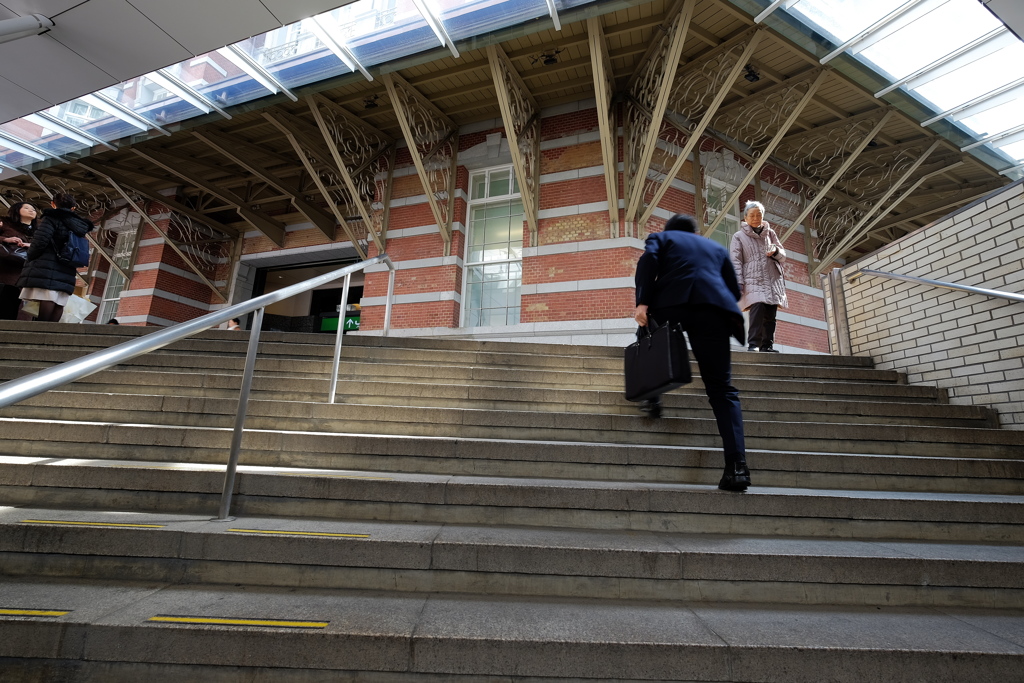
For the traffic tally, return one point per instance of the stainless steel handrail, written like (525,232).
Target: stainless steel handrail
(937,283)
(51,378)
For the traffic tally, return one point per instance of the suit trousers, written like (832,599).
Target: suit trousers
(708,330)
(762,324)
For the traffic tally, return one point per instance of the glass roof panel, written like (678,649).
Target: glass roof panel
(1015,150)
(377,32)
(977,78)
(943,30)
(842,19)
(997,119)
(151,101)
(218,78)
(562,5)
(11,158)
(467,18)
(50,139)
(294,55)
(946,28)
(92,120)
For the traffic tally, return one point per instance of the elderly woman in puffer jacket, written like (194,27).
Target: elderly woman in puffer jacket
(757,255)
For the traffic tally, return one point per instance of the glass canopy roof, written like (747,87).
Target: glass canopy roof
(954,56)
(348,39)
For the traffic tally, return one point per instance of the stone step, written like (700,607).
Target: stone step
(496,397)
(505,457)
(863,437)
(506,560)
(545,370)
(177,487)
(225,383)
(298,344)
(356,634)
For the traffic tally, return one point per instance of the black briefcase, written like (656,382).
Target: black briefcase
(656,362)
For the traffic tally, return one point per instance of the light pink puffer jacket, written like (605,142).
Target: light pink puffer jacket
(761,278)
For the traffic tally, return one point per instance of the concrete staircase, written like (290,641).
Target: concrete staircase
(496,512)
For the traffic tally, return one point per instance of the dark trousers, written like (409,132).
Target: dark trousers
(708,330)
(9,302)
(762,325)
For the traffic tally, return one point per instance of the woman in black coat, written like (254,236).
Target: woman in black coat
(16,230)
(46,278)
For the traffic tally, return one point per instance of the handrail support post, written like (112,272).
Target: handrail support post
(243,405)
(338,339)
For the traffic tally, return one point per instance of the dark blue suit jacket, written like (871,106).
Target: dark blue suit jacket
(680,268)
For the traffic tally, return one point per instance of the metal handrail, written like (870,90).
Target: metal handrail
(65,373)
(937,283)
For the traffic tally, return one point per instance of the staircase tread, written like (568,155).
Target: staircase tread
(437,534)
(469,620)
(526,482)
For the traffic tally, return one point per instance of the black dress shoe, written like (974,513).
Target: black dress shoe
(752,347)
(652,407)
(736,477)
(768,349)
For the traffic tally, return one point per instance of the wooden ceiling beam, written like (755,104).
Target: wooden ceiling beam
(175,164)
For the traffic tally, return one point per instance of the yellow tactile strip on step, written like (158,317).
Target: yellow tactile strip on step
(283,532)
(13,612)
(103,524)
(226,621)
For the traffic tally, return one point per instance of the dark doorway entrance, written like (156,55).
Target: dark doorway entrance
(314,311)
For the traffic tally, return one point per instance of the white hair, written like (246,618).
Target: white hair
(753,205)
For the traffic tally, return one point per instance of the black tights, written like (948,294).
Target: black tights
(50,311)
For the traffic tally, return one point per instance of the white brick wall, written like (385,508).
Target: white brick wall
(970,344)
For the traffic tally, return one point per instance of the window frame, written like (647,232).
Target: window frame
(480,203)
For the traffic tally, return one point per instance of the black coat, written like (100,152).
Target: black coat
(43,269)
(680,268)
(10,268)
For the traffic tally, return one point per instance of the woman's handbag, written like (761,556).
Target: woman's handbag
(9,252)
(656,362)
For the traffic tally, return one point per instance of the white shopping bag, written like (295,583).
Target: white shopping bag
(77,309)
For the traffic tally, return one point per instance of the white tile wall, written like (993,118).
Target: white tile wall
(970,344)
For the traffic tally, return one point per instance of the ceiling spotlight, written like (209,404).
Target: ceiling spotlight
(370,102)
(549,58)
(750,73)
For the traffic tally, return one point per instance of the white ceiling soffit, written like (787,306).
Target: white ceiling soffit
(1010,12)
(98,43)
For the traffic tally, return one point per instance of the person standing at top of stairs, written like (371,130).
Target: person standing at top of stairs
(686,279)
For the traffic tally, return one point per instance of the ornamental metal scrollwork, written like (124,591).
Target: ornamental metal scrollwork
(433,141)
(209,251)
(521,116)
(820,152)
(646,103)
(756,120)
(364,159)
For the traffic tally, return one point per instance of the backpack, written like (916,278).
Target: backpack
(75,251)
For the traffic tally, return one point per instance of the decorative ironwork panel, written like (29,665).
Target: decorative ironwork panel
(209,250)
(756,120)
(698,83)
(783,196)
(819,154)
(521,117)
(874,172)
(433,142)
(646,103)
(834,219)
